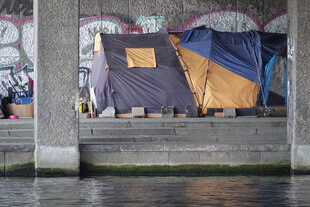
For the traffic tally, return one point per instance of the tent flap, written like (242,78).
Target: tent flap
(238,52)
(141,57)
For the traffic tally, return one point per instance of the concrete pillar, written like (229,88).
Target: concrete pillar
(56,63)
(299,84)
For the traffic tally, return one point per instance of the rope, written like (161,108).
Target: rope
(205,87)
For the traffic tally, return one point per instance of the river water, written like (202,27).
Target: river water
(156,191)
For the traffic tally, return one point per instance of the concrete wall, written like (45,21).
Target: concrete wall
(298,85)
(127,16)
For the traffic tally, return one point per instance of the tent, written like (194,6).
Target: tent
(275,79)
(138,71)
(220,70)
(225,69)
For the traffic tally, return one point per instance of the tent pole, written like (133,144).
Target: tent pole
(185,70)
(204,89)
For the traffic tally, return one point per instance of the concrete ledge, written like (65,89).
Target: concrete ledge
(300,159)
(182,170)
(183,146)
(13,147)
(233,159)
(62,160)
(19,164)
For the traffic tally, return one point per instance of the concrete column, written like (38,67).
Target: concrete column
(299,84)
(56,63)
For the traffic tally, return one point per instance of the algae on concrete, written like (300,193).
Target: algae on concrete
(183,170)
(20,170)
(1,171)
(55,172)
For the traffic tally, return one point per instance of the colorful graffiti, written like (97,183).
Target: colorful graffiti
(16,42)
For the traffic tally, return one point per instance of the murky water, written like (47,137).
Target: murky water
(156,191)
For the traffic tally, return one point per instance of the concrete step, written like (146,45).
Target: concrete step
(182,123)
(16,124)
(16,140)
(194,138)
(184,131)
(16,133)
(13,147)
(126,131)
(232,131)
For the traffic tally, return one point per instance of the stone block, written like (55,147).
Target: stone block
(281,157)
(148,147)
(22,133)
(191,111)
(19,164)
(214,158)
(229,112)
(1,164)
(94,158)
(216,131)
(122,158)
(109,112)
(85,132)
(185,157)
(138,112)
(133,131)
(244,158)
(153,158)
(12,158)
(167,111)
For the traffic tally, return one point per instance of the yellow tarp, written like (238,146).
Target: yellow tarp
(224,89)
(97,43)
(141,57)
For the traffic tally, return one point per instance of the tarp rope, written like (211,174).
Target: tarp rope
(204,89)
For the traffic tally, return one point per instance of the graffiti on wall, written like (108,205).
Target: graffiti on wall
(16,42)
(230,20)
(16,53)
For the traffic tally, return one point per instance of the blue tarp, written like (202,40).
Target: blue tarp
(267,77)
(239,52)
(271,43)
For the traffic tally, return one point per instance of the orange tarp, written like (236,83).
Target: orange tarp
(224,88)
(141,57)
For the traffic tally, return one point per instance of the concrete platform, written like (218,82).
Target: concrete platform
(128,146)
(209,143)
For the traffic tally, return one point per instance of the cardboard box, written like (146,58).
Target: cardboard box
(219,115)
(21,110)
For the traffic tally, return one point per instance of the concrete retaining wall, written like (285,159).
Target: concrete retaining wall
(106,148)
(242,145)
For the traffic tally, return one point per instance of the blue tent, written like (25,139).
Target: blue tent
(238,52)
(243,53)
